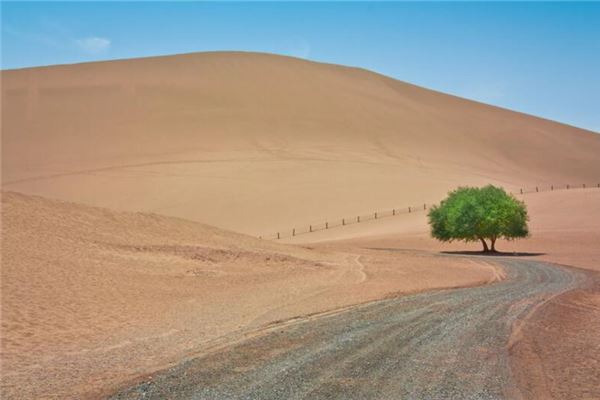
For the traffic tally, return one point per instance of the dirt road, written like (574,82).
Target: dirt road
(448,344)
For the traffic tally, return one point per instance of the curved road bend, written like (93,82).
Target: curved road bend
(447,344)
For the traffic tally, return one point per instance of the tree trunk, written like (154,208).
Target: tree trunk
(485,246)
(493,240)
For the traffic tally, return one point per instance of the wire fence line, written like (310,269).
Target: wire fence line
(303,230)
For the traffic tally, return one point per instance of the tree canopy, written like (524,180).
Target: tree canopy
(479,214)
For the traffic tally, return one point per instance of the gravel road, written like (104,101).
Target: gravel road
(447,344)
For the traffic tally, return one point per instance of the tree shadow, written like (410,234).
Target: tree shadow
(493,254)
(461,252)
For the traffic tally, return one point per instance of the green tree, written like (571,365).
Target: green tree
(479,214)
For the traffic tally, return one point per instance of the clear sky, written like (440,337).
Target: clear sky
(539,58)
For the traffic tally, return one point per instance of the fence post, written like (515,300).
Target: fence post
(409,209)
(326,225)
(294,232)
(375,215)
(310,228)
(551,187)
(393,211)
(343,221)
(584,185)
(536,189)
(278,235)
(521,191)
(358,219)
(567,186)
(425,206)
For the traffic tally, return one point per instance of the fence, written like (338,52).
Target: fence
(296,231)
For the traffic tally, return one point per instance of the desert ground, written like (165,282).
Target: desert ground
(134,193)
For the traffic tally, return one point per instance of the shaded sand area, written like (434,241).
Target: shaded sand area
(257,143)
(92,298)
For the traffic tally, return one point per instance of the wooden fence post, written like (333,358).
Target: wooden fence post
(278,235)
(409,209)
(521,191)
(294,232)
(393,211)
(358,219)
(424,206)
(567,186)
(584,185)
(375,215)
(343,221)
(310,228)
(551,187)
(326,225)
(536,189)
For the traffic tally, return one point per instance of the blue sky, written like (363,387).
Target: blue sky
(538,58)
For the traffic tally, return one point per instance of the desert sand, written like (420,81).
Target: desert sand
(257,143)
(92,297)
(556,355)
(154,174)
(564,224)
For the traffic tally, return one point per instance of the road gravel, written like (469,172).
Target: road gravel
(446,344)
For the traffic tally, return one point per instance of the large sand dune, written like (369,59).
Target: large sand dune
(256,143)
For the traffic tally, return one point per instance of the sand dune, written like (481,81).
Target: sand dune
(93,297)
(257,143)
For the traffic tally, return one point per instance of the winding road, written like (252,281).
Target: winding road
(446,344)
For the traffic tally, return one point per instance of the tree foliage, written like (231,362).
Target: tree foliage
(479,214)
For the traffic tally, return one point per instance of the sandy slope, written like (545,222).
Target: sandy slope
(93,297)
(256,143)
(564,226)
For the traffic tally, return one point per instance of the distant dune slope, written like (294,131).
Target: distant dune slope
(564,228)
(255,142)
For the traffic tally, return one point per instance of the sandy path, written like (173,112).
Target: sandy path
(439,345)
